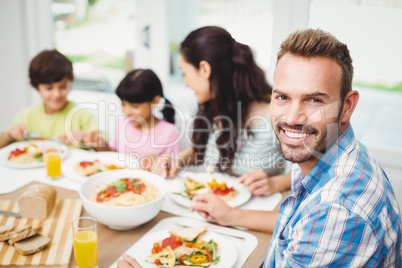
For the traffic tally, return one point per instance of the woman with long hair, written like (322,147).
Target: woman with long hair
(231,131)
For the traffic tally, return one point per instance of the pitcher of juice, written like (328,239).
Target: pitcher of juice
(85,242)
(52,158)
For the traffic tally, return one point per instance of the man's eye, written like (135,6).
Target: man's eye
(282,97)
(316,100)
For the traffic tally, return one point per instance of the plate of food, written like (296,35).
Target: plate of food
(80,168)
(29,154)
(184,188)
(186,246)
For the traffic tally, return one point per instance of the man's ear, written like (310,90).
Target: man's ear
(349,105)
(205,69)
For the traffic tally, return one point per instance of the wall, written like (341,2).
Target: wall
(13,66)
(22,36)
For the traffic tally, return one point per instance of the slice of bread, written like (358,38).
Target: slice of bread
(32,245)
(6,228)
(8,235)
(188,233)
(25,234)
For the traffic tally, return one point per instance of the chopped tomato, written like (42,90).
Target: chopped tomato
(181,259)
(209,257)
(189,245)
(130,187)
(158,262)
(218,191)
(156,248)
(17,152)
(85,164)
(172,241)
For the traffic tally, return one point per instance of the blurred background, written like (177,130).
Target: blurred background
(106,38)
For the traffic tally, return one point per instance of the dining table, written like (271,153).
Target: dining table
(113,243)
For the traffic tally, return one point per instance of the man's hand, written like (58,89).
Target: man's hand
(127,262)
(213,208)
(258,182)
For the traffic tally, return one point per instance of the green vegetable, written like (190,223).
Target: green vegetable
(39,157)
(119,185)
(212,249)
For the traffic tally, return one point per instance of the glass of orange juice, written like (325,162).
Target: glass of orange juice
(85,242)
(51,154)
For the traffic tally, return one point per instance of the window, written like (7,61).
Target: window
(98,37)
(371,29)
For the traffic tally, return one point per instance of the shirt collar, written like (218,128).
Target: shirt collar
(320,174)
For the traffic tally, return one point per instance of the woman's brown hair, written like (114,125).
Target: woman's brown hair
(235,78)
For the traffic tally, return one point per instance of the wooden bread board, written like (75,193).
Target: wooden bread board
(57,227)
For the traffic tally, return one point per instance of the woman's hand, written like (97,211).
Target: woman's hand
(258,183)
(213,208)
(17,132)
(164,165)
(127,262)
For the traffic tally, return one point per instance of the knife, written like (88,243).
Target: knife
(10,214)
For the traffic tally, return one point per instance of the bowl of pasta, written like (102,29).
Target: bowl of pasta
(123,199)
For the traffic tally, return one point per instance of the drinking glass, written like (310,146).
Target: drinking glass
(85,242)
(52,158)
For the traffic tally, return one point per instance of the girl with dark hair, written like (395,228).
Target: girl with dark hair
(232,131)
(140,132)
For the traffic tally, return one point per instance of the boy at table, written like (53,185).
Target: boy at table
(51,74)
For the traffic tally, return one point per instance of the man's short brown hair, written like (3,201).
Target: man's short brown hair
(312,43)
(49,66)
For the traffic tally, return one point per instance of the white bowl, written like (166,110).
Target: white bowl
(121,217)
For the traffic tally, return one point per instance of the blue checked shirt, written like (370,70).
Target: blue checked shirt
(342,214)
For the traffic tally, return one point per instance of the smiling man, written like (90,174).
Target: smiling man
(342,210)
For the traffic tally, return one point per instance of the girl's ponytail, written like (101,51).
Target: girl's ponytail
(168,111)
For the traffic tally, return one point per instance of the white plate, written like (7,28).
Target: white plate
(104,157)
(5,152)
(178,186)
(143,248)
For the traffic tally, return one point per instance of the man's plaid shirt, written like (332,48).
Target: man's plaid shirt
(342,214)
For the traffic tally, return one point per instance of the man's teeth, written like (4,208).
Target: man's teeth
(296,135)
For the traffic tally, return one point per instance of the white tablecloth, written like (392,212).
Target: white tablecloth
(14,178)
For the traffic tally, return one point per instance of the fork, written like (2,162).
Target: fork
(32,135)
(218,232)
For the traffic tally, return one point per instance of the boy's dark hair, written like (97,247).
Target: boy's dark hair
(49,66)
(143,85)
